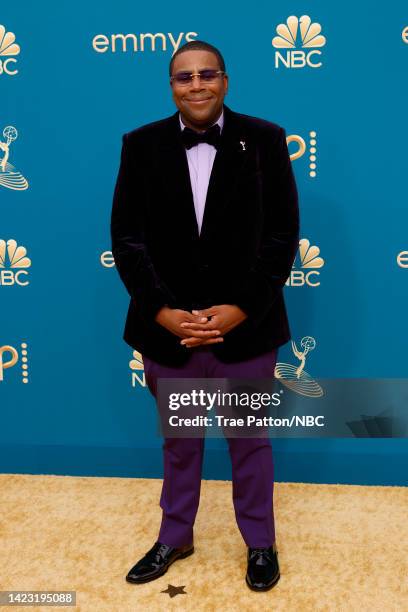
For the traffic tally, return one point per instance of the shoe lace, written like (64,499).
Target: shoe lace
(261,553)
(156,553)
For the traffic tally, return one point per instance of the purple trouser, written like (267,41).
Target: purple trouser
(251,458)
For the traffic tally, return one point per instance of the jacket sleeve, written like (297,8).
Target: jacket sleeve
(280,236)
(129,248)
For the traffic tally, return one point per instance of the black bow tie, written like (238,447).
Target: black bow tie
(212,136)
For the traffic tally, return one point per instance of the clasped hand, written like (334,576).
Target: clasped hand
(207,326)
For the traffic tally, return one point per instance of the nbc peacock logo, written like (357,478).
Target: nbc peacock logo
(8,50)
(297,33)
(136,365)
(13,264)
(295,377)
(305,269)
(10,177)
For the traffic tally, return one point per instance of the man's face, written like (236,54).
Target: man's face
(200,103)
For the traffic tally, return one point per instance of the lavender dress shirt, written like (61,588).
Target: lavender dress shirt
(200,162)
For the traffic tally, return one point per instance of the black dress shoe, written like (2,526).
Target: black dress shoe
(263,568)
(156,562)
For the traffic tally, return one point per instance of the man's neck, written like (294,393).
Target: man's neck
(200,128)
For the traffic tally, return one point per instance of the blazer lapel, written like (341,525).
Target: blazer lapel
(175,172)
(229,163)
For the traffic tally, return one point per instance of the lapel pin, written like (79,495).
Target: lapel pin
(242,143)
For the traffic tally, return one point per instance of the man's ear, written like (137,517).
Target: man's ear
(226,83)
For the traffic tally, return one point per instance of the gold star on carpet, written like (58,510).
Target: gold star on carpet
(173,590)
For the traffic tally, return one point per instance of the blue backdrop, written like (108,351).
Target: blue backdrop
(77,76)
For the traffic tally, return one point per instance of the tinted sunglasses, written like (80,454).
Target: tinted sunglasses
(206,76)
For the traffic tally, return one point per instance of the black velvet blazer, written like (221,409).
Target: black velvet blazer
(248,241)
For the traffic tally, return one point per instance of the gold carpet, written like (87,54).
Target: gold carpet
(340,547)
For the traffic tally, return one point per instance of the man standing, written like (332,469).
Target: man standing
(204,233)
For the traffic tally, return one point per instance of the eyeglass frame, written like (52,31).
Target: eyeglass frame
(195,74)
